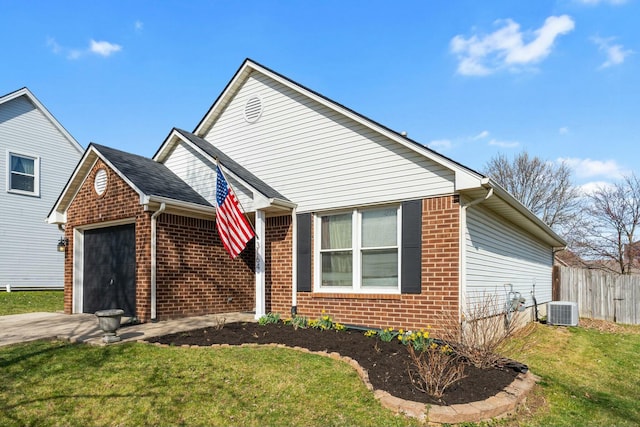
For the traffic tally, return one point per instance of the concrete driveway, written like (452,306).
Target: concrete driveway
(84,327)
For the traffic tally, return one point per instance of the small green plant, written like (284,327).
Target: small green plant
(325,322)
(387,334)
(299,322)
(269,318)
(420,340)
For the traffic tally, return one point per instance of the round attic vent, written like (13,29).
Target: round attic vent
(100,182)
(253,109)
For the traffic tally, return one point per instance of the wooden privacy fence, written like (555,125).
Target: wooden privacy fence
(599,294)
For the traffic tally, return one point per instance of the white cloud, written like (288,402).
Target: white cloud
(104,48)
(587,168)
(504,144)
(440,144)
(101,48)
(563,130)
(138,25)
(592,187)
(53,44)
(484,54)
(616,54)
(481,135)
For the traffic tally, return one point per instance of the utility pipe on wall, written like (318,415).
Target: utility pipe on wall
(154,217)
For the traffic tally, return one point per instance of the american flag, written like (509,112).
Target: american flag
(233,227)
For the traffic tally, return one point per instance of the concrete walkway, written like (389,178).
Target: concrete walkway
(84,327)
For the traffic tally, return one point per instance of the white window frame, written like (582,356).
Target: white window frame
(356,248)
(36,174)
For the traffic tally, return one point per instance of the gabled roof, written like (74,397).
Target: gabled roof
(464,176)
(467,181)
(232,166)
(31,97)
(153,181)
(149,177)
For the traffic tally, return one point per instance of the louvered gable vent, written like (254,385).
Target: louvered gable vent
(253,109)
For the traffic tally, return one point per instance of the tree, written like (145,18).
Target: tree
(613,221)
(543,187)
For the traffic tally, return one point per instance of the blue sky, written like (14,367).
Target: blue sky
(470,79)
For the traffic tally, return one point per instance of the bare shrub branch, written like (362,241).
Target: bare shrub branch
(434,369)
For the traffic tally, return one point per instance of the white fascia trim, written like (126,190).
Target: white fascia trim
(464,178)
(518,206)
(32,98)
(72,180)
(194,207)
(259,199)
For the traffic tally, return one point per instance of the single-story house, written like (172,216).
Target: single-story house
(350,217)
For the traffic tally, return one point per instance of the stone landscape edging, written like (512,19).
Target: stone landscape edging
(500,405)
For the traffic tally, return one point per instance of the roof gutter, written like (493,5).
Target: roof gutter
(517,205)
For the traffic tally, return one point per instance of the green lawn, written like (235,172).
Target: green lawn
(30,302)
(589,378)
(54,383)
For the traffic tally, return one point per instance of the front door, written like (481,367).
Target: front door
(110,269)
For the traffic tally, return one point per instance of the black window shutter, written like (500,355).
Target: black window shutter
(303,261)
(411,247)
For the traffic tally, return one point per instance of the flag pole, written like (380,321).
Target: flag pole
(244,212)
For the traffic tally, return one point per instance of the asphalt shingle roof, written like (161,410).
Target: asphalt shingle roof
(150,177)
(234,167)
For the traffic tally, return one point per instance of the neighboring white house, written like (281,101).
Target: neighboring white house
(37,156)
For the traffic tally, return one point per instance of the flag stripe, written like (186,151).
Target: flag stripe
(233,227)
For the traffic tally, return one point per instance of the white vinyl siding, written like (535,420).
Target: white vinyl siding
(318,158)
(28,256)
(498,253)
(200,174)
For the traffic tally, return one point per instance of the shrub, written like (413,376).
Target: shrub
(435,368)
(483,328)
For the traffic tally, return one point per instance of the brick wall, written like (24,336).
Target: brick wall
(440,278)
(118,202)
(195,275)
(278,267)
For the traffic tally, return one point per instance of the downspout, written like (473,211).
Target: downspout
(463,245)
(154,239)
(294,262)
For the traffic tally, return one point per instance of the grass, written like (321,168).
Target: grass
(30,302)
(589,377)
(54,383)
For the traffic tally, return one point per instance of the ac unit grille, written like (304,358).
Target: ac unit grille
(563,313)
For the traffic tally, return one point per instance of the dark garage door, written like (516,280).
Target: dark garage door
(110,269)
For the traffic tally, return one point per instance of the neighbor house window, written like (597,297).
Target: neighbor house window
(23,174)
(357,251)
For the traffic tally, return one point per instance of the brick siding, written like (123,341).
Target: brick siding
(195,275)
(440,278)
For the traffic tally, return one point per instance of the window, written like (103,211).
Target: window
(358,250)
(23,174)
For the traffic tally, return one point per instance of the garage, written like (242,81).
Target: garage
(110,269)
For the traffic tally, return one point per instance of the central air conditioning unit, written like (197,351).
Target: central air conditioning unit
(563,313)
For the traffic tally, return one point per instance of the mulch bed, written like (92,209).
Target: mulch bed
(385,362)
